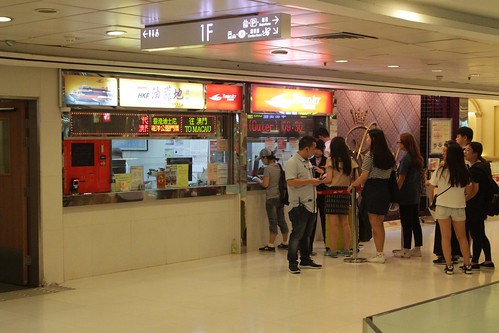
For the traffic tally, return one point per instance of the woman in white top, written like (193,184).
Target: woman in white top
(453,181)
(340,170)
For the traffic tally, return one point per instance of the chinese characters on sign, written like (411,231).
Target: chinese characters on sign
(183,125)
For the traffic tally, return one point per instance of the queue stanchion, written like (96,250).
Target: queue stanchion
(355,231)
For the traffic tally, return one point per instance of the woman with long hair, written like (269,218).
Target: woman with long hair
(340,170)
(476,206)
(409,181)
(453,181)
(376,171)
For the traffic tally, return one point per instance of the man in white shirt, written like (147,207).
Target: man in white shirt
(323,134)
(302,201)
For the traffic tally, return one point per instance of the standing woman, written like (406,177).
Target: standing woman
(273,204)
(476,206)
(340,171)
(454,186)
(376,170)
(409,180)
(318,162)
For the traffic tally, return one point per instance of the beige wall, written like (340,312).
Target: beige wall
(483,118)
(42,84)
(85,241)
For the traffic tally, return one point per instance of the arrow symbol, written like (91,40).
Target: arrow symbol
(275,31)
(144,34)
(275,20)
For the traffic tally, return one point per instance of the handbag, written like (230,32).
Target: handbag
(394,188)
(433,204)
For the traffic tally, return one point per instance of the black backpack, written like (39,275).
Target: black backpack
(493,201)
(492,192)
(283,187)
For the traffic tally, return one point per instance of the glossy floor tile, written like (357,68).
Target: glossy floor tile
(252,292)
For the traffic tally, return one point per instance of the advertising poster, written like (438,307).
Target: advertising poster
(90,90)
(439,131)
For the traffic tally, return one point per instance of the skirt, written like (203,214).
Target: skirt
(376,196)
(338,203)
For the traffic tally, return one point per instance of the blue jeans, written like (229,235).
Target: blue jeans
(303,223)
(275,214)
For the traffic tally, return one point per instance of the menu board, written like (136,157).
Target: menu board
(265,125)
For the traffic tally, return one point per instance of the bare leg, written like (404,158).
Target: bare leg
(376,222)
(445,230)
(460,229)
(333,230)
(347,234)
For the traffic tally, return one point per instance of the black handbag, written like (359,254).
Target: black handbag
(394,188)
(433,204)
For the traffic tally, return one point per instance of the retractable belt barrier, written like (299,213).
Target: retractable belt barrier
(355,230)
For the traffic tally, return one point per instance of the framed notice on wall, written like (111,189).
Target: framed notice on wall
(439,131)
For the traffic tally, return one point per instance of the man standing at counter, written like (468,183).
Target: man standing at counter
(302,201)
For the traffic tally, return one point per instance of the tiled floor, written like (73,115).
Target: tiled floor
(252,292)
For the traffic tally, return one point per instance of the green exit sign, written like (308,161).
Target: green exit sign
(232,30)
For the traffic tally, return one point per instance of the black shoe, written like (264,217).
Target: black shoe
(449,270)
(310,264)
(475,267)
(439,261)
(466,269)
(487,265)
(283,246)
(267,248)
(294,270)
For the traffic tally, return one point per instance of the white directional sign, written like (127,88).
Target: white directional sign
(232,30)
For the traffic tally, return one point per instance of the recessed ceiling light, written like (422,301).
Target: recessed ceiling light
(474,75)
(437,70)
(279,52)
(115,32)
(46,10)
(5,19)
(341,60)
(393,66)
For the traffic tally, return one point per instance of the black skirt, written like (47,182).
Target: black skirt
(338,203)
(376,196)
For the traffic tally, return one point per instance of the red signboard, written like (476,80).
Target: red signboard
(266,99)
(224,97)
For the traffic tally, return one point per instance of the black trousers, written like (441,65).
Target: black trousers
(476,225)
(409,218)
(437,243)
(321,207)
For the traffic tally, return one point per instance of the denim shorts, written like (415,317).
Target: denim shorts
(456,214)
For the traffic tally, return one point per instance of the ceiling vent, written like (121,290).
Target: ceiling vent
(340,35)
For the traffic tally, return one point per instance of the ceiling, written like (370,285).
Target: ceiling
(450,47)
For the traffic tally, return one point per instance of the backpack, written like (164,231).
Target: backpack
(492,193)
(493,198)
(283,187)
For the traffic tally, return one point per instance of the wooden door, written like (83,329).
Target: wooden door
(13,192)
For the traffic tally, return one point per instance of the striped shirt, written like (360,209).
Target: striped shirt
(374,172)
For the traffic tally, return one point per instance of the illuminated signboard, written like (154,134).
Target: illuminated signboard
(161,94)
(90,90)
(263,125)
(103,123)
(230,30)
(183,125)
(224,97)
(266,99)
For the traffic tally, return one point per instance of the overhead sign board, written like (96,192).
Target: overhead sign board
(267,99)
(231,30)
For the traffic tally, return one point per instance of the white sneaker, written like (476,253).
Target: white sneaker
(415,252)
(378,259)
(405,253)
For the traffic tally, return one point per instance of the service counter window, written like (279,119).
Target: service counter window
(133,157)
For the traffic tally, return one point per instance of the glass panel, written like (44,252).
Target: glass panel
(4,146)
